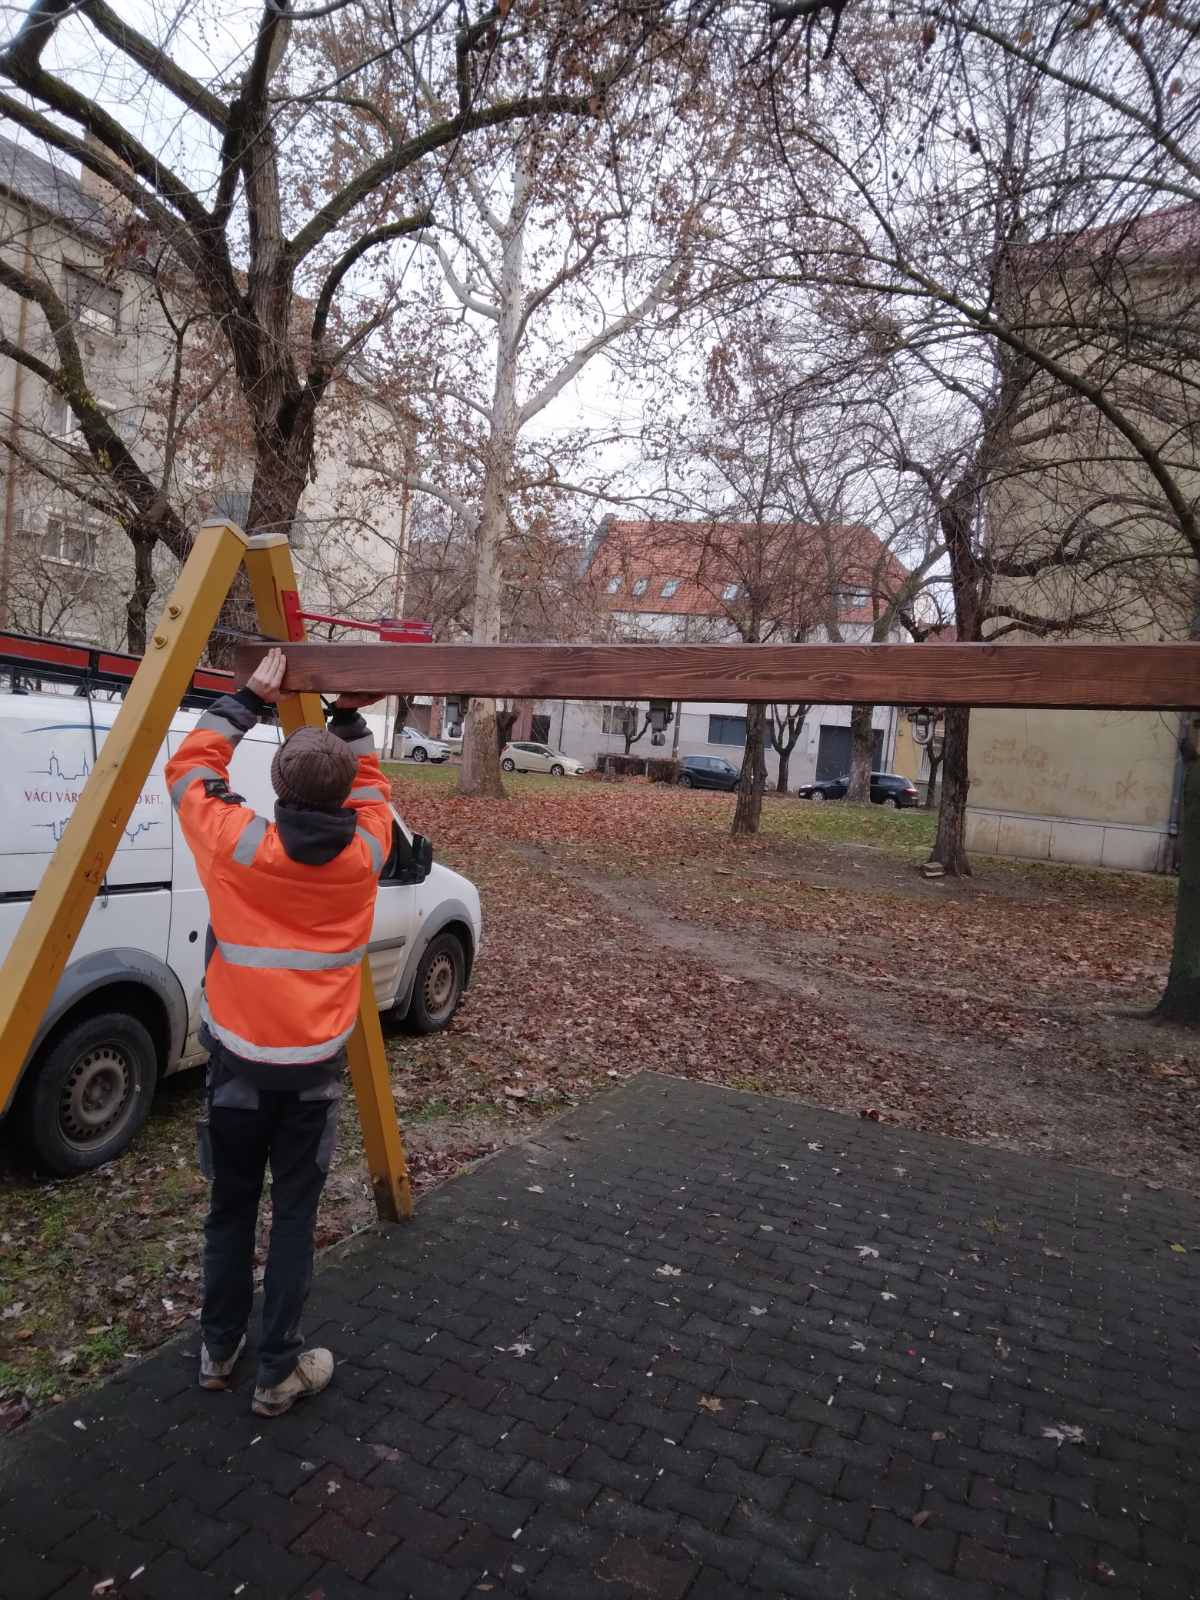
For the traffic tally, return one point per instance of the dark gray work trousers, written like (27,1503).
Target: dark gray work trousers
(246,1130)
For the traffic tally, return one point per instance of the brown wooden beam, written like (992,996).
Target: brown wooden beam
(1118,677)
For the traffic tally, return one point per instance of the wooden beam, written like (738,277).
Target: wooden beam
(1117,677)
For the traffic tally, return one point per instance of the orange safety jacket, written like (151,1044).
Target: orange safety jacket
(291,902)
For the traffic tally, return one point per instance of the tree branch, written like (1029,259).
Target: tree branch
(154,62)
(390,166)
(462,294)
(381,235)
(78,108)
(112,172)
(576,363)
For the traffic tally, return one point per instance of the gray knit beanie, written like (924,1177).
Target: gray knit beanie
(313,769)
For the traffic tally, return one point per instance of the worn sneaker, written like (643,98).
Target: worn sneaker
(215,1374)
(312,1374)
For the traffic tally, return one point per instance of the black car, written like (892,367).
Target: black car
(887,789)
(707,772)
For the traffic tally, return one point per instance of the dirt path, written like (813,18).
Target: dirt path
(1082,1082)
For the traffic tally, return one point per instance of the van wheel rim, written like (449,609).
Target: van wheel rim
(441,981)
(95,1096)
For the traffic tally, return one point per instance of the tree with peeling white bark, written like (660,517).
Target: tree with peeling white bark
(578,240)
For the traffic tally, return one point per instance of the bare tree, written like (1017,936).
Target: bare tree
(317,174)
(998,255)
(784,727)
(545,261)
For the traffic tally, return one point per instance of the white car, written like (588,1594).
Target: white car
(126,1011)
(418,746)
(523,755)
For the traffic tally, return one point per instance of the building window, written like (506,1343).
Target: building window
(731,592)
(61,423)
(620,720)
(614,585)
(59,417)
(852,598)
(69,543)
(92,303)
(670,589)
(641,586)
(727,730)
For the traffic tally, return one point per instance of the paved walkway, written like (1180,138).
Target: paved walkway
(691,1344)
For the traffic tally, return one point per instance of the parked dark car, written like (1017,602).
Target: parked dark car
(707,772)
(887,789)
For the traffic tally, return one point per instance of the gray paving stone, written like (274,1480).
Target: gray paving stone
(1013,1422)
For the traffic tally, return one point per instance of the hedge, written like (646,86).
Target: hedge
(659,769)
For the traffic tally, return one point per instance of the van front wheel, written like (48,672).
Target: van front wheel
(438,985)
(88,1092)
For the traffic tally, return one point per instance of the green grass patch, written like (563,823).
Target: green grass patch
(835,822)
(103,1348)
(1061,880)
(37,1381)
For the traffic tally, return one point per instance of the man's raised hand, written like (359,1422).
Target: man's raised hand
(267,677)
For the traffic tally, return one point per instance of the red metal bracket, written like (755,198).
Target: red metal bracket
(289,604)
(391,630)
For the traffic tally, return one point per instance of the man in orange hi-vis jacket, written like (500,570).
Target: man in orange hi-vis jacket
(290,907)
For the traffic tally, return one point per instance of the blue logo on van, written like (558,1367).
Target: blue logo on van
(55,770)
(57,829)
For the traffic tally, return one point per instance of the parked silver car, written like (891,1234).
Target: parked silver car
(523,755)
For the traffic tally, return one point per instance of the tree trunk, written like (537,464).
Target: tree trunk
(861,751)
(480,770)
(633,733)
(138,604)
(282,460)
(505,722)
(781,782)
(1181,998)
(949,846)
(480,774)
(747,813)
(935,766)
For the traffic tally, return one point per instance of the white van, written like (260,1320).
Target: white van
(127,1008)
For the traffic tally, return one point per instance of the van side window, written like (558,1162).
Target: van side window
(407,863)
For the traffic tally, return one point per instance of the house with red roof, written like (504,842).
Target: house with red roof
(723,582)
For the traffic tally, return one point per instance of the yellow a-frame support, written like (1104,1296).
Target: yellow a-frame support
(76,871)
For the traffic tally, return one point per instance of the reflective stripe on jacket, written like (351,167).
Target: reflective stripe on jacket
(290,902)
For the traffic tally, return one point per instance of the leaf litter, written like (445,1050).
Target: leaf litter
(592,892)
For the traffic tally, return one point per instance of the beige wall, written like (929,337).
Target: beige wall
(909,758)
(1090,787)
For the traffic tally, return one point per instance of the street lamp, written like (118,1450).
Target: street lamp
(924,720)
(661,713)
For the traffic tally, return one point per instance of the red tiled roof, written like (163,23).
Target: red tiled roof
(687,568)
(1155,238)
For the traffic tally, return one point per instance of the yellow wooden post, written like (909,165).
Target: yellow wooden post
(270,569)
(76,871)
